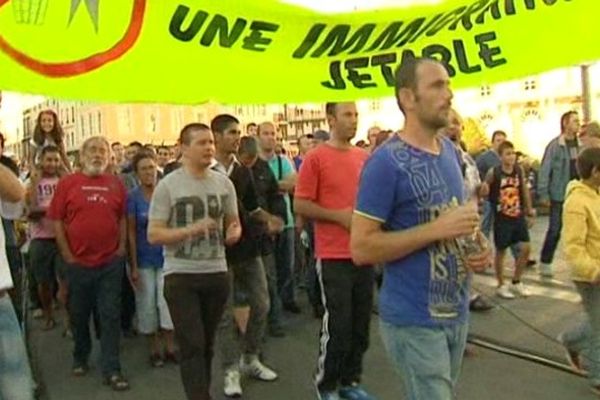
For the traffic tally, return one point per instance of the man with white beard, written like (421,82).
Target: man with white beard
(89,211)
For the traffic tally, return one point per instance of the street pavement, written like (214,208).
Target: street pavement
(527,324)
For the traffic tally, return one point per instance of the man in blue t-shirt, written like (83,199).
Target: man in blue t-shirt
(411,216)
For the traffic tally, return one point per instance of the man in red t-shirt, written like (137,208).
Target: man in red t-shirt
(88,210)
(325,192)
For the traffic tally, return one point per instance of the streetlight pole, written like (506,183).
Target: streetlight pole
(586,93)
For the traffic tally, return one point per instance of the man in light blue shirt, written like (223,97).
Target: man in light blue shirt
(284,247)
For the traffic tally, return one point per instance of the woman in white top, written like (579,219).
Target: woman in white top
(48,132)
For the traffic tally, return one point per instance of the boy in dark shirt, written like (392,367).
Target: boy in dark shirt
(509,196)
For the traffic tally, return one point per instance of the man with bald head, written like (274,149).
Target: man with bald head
(472,184)
(372,134)
(284,247)
(325,194)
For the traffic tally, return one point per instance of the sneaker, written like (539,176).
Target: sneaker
(572,356)
(546,271)
(251,366)
(232,387)
(479,304)
(325,395)
(504,292)
(520,290)
(38,313)
(355,392)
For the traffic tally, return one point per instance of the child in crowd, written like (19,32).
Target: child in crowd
(44,256)
(511,202)
(581,241)
(48,132)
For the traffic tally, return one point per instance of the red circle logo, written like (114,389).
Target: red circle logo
(85,65)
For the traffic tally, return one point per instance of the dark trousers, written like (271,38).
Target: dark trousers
(196,303)
(553,233)
(313,288)
(127,304)
(348,301)
(284,261)
(249,288)
(275,317)
(98,288)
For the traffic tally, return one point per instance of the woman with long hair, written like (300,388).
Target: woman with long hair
(48,132)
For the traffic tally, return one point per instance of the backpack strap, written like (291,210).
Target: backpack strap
(522,183)
(495,185)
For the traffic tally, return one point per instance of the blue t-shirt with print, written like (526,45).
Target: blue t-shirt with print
(282,169)
(402,187)
(148,256)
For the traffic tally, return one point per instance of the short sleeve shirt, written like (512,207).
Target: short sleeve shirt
(91,209)
(329,177)
(402,187)
(148,256)
(44,228)
(282,168)
(181,199)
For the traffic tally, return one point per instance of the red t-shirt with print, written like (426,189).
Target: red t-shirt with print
(91,209)
(329,177)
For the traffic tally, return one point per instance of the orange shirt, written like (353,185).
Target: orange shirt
(329,177)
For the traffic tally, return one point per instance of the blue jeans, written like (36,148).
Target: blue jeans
(553,233)
(428,359)
(15,375)
(98,288)
(284,261)
(585,337)
(487,221)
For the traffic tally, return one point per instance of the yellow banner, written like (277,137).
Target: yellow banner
(264,51)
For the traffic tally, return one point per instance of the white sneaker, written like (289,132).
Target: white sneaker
(504,292)
(251,366)
(520,290)
(232,387)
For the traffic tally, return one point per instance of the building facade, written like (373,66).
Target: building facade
(528,110)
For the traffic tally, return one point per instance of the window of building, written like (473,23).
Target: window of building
(82,125)
(530,84)
(152,123)
(530,114)
(486,118)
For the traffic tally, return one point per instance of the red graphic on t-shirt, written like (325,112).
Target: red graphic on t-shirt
(84,65)
(510,196)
